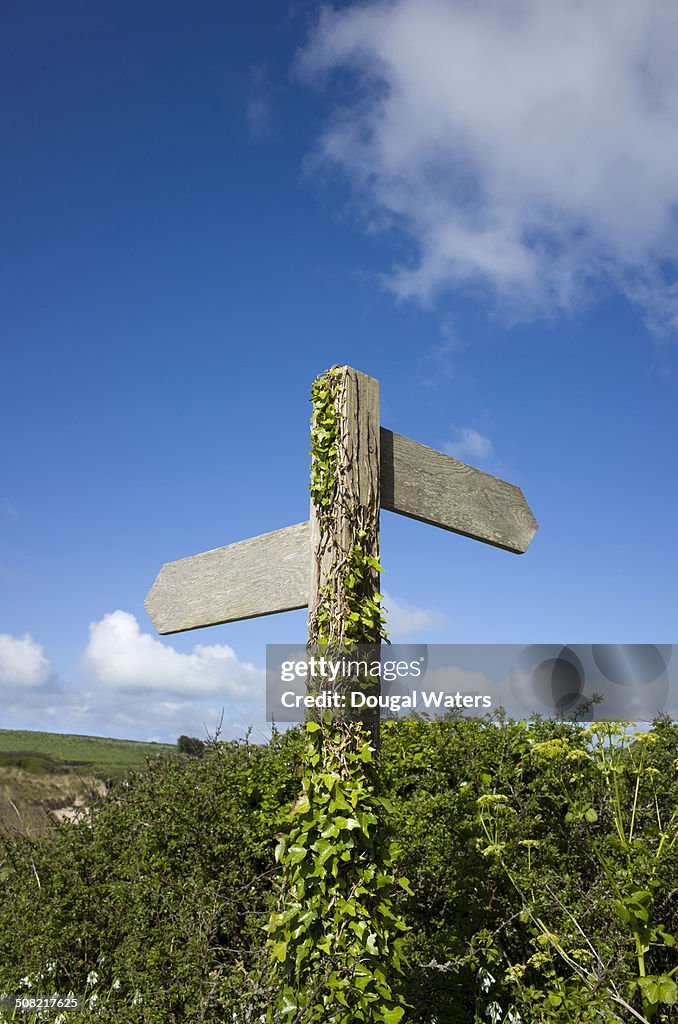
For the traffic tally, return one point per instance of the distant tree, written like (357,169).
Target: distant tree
(191,745)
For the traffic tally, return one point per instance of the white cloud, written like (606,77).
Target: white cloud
(130,715)
(133,686)
(403,619)
(120,657)
(524,145)
(470,444)
(23,662)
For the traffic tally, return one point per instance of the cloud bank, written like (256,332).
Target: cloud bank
(133,685)
(120,657)
(22,662)
(522,146)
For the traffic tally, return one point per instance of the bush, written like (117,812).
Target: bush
(162,898)
(542,859)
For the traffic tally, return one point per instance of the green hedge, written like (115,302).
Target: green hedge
(543,861)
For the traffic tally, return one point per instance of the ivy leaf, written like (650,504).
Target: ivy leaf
(301,804)
(280,951)
(287,1005)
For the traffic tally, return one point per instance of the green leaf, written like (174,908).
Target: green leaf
(302,804)
(650,988)
(667,990)
(280,951)
(287,1005)
(622,912)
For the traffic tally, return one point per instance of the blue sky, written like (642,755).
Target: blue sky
(203,208)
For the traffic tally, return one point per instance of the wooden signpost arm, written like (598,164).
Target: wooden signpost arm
(434,488)
(259,576)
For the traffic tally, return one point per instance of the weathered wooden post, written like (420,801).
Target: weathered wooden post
(351,516)
(336,938)
(345,500)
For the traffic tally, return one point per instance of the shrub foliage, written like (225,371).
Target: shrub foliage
(542,862)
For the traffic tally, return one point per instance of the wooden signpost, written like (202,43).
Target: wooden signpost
(331,564)
(286,569)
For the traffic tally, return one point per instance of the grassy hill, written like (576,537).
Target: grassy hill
(43,773)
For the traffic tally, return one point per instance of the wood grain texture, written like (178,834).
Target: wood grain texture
(356,506)
(260,576)
(352,518)
(424,484)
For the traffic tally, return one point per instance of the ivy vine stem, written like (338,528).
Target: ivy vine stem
(336,937)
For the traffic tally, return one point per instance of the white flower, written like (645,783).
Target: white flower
(92,978)
(494,1012)
(93,998)
(116,985)
(486,979)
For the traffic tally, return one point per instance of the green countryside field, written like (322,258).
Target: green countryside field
(45,775)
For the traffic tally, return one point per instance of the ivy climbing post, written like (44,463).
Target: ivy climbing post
(344,598)
(336,936)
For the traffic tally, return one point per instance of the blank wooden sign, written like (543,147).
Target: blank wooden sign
(424,484)
(259,576)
